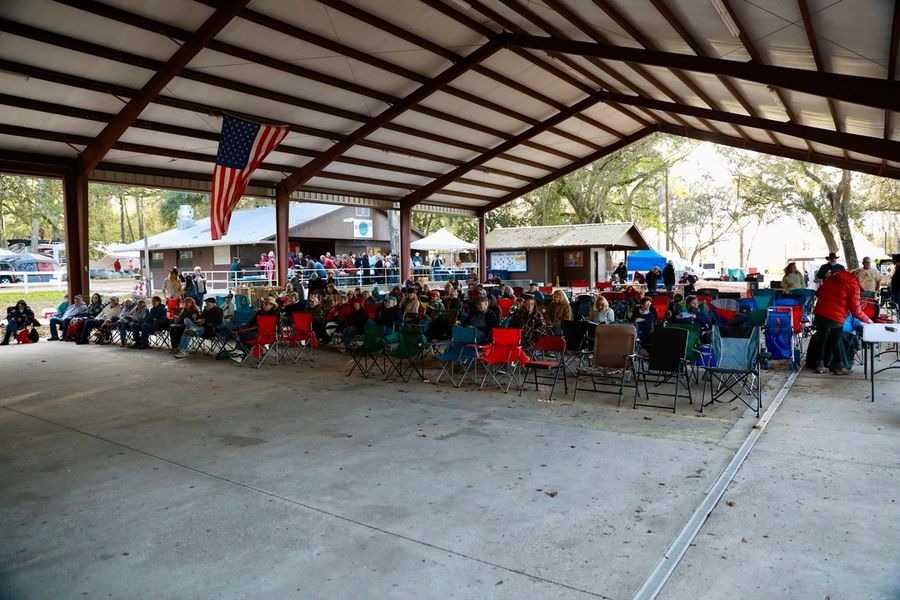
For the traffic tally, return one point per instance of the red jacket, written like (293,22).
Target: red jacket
(838,295)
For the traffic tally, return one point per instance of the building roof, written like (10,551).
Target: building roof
(250,226)
(616,236)
(437,104)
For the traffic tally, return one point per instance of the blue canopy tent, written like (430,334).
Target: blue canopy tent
(644,260)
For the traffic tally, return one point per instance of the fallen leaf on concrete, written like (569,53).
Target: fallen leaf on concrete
(731,503)
(743,540)
(757,426)
(552,493)
(648,418)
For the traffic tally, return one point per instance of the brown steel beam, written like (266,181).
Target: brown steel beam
(75,217)
(817,57)
(33,164)
(482,248)
(405,241)
(121,91)
(63,41)
(863,144)
(867,91)
(439,50)
(582,162)
(283,66)
(801,155)
(699,50)
(93,115)
(892,63)
(648,43)
(417,196)
(95,151)
(593,81)
(310,169)
(379,63)
(68,138)
(535,18)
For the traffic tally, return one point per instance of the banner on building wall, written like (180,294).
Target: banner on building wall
(362,228)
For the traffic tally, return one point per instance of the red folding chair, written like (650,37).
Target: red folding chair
(502,357)
(299,338)
(505,305)
(548,354)
(545,289)
(660,305)
(603,285)
(265,341)
(868,307)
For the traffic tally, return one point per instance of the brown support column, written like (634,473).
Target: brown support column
(405,230)
(282,210)
(482,248)
(75,203)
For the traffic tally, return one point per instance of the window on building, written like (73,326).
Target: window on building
(156,259)
(363,211)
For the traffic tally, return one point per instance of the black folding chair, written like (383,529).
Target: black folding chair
(578,345)
(667,365)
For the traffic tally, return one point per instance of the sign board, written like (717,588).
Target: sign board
(362,228)
(514,261)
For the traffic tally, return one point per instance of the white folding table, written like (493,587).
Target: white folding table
(879,333)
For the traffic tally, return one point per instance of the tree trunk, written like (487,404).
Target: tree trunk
(827,233)
(840,199)
(139,207)
(121,219)
(35,232)
(2,226)
(394,231)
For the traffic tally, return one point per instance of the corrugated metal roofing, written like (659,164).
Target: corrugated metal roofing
(450,103)
(563,236)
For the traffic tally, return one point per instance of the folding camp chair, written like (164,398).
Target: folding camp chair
(505,304)
(806,299)
(578,343)
(300,338)
(501,358)
(581,307)
(693,354)
(724,310)
(263,345)
(783,341)
(365,355)
(612,361)
(548,354)
(735,375)
(406,356)
(660,303)
(712,293)
(459,354)
(667,364)
(763,298)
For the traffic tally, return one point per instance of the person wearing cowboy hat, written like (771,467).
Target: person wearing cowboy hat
(206,325)
(828,267)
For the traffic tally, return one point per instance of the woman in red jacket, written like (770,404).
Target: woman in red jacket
(836,297)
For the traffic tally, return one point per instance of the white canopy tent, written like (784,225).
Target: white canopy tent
(443,241)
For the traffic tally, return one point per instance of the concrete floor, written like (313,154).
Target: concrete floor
(129,474)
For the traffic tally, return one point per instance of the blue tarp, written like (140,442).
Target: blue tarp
(644,260)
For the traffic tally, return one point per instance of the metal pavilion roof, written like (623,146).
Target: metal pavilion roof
(446,105)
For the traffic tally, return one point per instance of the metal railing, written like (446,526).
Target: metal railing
(27,280)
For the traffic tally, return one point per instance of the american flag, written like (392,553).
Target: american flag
(242,146)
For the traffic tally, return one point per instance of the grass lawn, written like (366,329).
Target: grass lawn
(36,300)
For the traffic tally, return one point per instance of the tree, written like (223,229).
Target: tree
(702,218)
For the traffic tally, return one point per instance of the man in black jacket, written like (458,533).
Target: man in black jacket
(211,318)
(156,319)
(669,276)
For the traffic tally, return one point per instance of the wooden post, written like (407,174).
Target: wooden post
(75,214)
(405,231)
(282,216)
(482,248)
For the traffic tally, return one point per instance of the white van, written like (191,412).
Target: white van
(710,271)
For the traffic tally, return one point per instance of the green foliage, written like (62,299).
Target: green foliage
(168,206)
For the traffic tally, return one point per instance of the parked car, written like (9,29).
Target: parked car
(41,266)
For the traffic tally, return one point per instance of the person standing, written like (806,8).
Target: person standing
(199,286)
(837,296)
(621,272)
(793,279)
(895,279)
(235,269)
(652,279)
(668,275)
(868,277)
(117,266)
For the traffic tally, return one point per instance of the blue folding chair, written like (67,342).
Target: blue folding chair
(735,374)
(460,353)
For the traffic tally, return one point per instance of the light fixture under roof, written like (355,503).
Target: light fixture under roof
(726,18)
